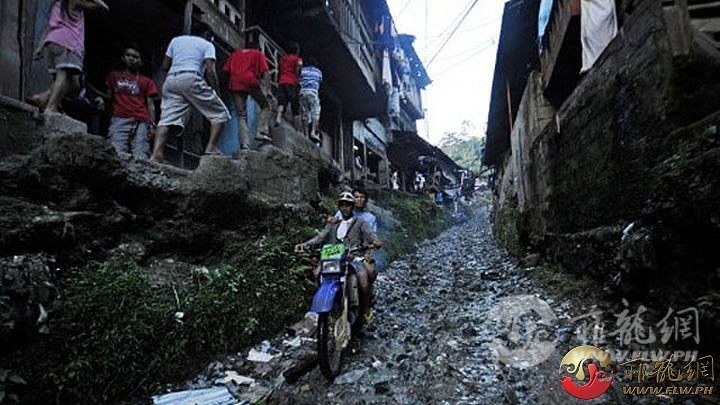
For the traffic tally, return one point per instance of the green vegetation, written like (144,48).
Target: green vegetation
(420,218)
(8,381)
(506,228)
(113,332)
(128,327)
(125,326)
(464,147)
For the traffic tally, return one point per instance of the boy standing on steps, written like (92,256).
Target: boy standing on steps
(247,69)
(289,84)
(133,107)
(310,81)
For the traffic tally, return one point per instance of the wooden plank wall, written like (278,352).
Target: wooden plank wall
(17,26)
(10,58)
(37,77)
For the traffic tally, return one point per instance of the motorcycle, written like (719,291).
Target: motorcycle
(337,304)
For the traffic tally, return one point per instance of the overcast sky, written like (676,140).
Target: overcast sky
(462,72)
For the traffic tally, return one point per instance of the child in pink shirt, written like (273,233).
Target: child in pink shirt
(63,48)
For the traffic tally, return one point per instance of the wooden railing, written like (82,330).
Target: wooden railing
(234,15)
(554,36)
(273,52)
(223,18)
(355,31)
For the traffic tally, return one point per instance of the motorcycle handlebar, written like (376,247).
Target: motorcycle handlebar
(362,248)
(353,250)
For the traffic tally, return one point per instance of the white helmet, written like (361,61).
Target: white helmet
(346,196)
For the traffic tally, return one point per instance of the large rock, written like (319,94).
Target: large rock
(70,178)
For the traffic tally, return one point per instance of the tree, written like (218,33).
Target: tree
(464,147)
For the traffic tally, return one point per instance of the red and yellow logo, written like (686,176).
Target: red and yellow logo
(585,372)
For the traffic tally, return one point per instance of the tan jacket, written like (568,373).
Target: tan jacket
(359,234)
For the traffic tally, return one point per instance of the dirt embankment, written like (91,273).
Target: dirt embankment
(119,276)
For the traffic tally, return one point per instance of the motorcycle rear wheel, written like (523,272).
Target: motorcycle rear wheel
(329,354)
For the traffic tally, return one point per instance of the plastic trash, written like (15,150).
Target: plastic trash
(205,396)
(295,342)
(233,376)
(260,357)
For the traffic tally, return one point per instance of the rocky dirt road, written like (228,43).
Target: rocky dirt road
(435,337)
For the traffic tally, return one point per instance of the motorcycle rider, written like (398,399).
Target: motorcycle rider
(360,196)
(352,231)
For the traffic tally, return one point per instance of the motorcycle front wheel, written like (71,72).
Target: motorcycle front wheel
(329,352)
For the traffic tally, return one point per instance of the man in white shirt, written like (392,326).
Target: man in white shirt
(191,80)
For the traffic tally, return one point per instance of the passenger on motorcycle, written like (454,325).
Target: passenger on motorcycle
(360,211)
(353,232)
(361,199)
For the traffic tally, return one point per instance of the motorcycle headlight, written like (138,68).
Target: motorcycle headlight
(331,267)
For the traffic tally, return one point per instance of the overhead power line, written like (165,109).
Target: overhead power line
(437,37)
(452,23)
(475,2)
(441,75)
(481,45)
(402,10)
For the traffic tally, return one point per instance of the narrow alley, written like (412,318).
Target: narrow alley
(437,333)
(434,336)
(188,189)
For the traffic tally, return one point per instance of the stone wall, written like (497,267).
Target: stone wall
(505,213)
(68,195)
(534,115)
(615,127)
(594,166)
(635,143)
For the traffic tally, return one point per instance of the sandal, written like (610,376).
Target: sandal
(264,137)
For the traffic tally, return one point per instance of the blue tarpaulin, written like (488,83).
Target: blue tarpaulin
(546,7)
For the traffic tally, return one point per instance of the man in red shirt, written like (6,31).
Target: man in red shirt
(247,69)
(133,107)
(289,83)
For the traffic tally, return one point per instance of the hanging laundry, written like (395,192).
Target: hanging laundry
(598,25)
(387,74)
(546,8)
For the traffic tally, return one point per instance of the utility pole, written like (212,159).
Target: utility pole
(426,51)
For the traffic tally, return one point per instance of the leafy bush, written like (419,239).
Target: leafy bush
(125,329)
(420,218)
(266,287)
(8,381)
(114,332)
(121,333)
